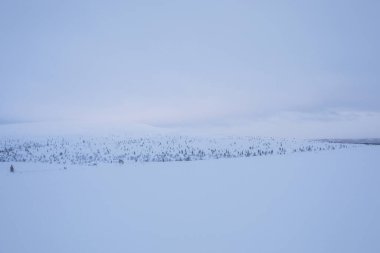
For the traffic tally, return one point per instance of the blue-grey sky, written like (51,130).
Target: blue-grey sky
(286,67)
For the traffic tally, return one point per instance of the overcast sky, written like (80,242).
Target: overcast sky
(286,67)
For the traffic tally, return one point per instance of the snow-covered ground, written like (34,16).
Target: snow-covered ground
(300,202)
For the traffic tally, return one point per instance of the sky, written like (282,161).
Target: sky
(276,68)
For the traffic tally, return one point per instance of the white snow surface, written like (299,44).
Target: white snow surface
(302,202)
